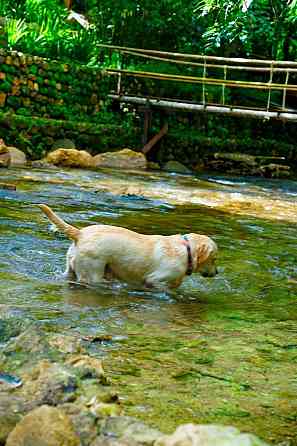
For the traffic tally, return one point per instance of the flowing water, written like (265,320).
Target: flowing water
(221,350)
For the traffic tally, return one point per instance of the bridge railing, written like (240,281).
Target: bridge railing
(219,72)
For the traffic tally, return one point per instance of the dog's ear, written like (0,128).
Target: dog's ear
(201,250)
(202,253)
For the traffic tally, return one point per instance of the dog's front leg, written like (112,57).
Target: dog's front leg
(90,271)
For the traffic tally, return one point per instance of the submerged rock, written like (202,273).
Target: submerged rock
(88,366)
(66,344)
(127,430)
(46,426)
(176,166)
(31,341)
(208,435)
(70,158)
(122,159)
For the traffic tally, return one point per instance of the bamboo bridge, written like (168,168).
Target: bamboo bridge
(275,81)
(227,66)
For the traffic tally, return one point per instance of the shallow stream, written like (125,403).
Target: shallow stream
(220,350)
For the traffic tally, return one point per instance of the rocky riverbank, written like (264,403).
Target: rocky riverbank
(65,154)
(54,393)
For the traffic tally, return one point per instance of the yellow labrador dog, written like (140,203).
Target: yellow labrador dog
(102,251)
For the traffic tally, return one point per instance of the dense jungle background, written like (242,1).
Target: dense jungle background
(264,29)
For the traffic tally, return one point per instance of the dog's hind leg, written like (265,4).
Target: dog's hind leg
(69,273)
(89,271)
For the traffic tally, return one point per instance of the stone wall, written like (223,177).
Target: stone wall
(32,86)
(37,136)
(42,101)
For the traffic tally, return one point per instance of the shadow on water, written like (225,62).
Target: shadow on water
(217,350)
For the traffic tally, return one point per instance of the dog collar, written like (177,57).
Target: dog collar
(190,258)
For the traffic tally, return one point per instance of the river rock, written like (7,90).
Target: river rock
(122,159)
(176,167)
(84,422)
(5,157)
(50,383)
(153,165)
(88,366)
(18,158)
(273,170)
(42,164)
(30,341)
(208,435)
(44,426)
(70,158)
(11,409)
(66,343)
(236,158)
(238,163)
(127,430)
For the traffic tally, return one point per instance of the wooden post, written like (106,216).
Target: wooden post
(155,139)
(147,112)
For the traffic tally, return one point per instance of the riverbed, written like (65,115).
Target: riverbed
(220,350)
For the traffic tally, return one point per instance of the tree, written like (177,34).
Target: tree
(265,28)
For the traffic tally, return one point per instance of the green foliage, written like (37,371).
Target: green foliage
(16,29)
(40,27)
(261,28)
(264,28)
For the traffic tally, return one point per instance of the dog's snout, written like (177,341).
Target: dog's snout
(212,273)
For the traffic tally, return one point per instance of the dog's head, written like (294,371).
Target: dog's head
(204,255)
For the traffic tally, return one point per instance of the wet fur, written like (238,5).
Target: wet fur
(105,252)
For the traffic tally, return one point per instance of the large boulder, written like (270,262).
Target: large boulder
(176,167)
(70,158)
(46,426)
(5,157)
(122,159)
(18,158)
(208,435)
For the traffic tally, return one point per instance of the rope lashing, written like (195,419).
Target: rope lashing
(285,91)
(269,91)
(203,82)
(224,86)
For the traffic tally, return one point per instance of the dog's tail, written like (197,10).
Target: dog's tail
(70,231)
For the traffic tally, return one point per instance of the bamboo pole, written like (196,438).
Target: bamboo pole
(283,63)
(227,110)
(209,81)
(197,64)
